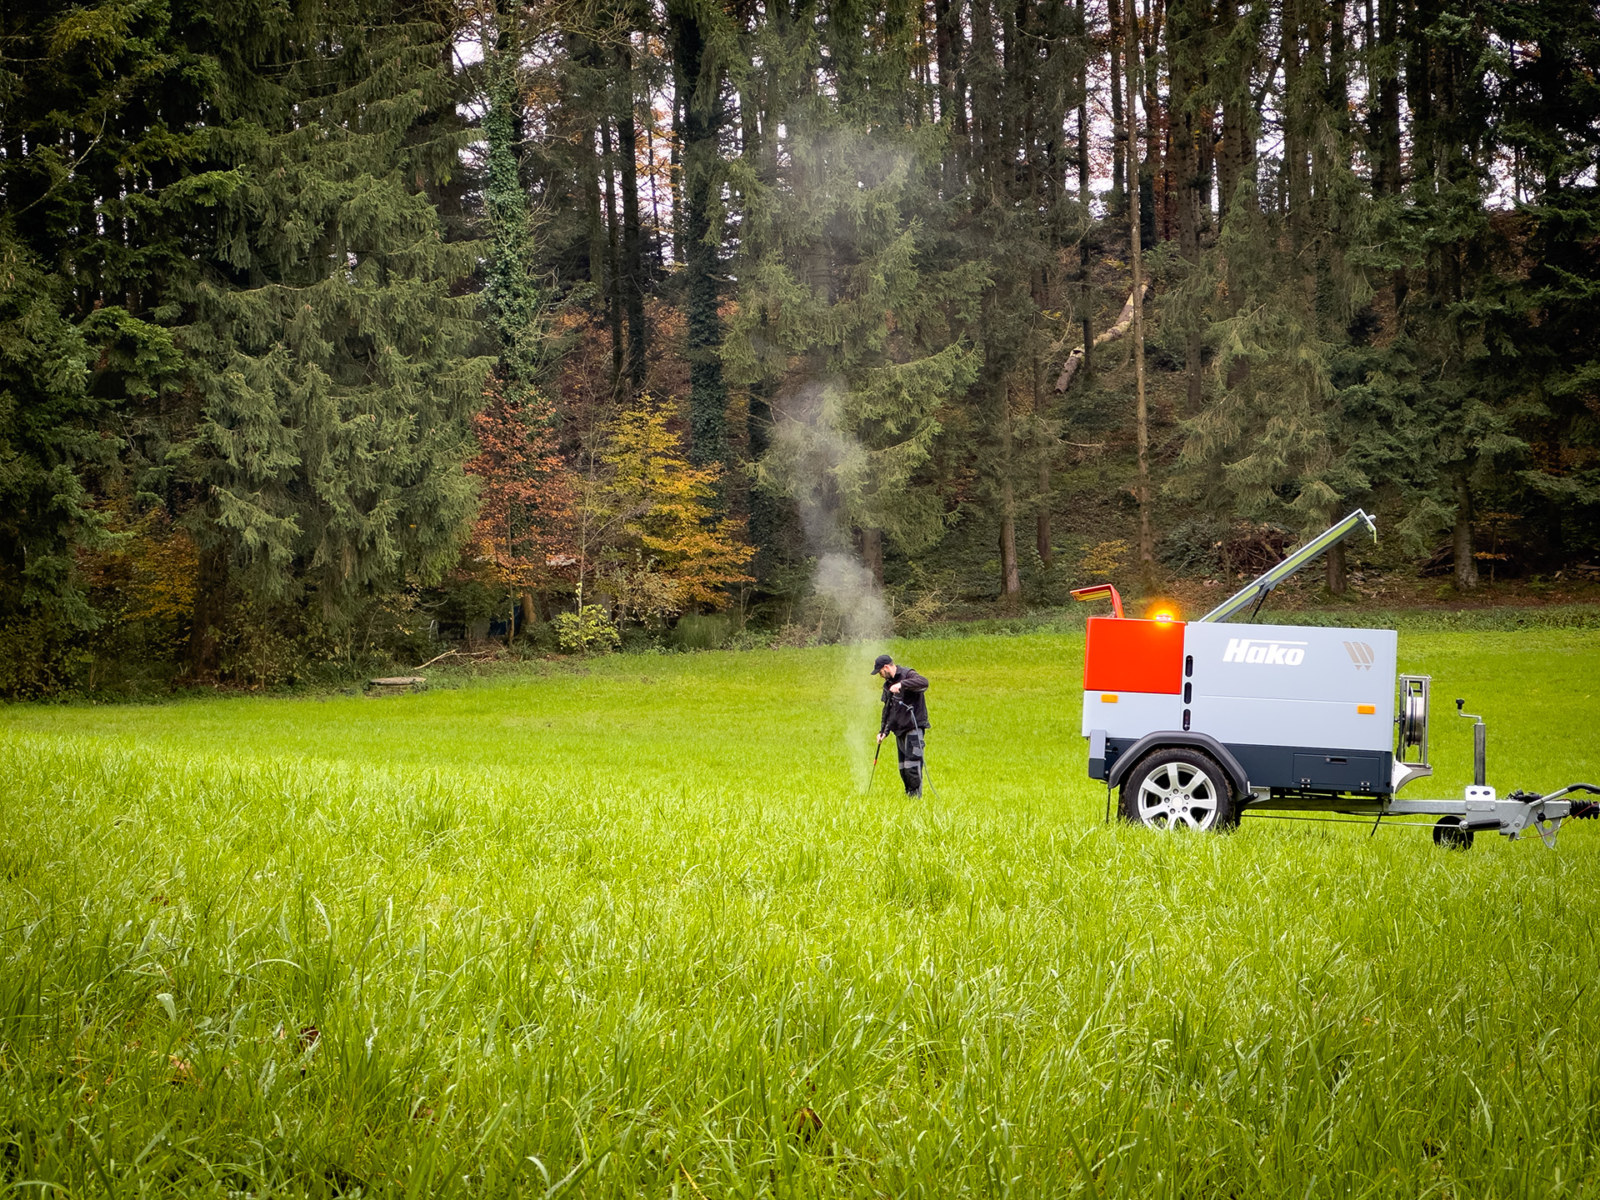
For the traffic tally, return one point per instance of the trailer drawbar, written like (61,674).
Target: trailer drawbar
(1196,723)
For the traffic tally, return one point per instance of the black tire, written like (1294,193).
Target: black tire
(1450,834)
(1179,787)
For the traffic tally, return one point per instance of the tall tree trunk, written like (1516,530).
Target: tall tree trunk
(702,122)
(1154,171)
(1461,541)
(1185,39)
(1335,576)
(613,261)
(1085,301)
(872,553)
(1010,574)
(1041,530)
(1044,438)
(1299,88)
(950,43)
(1383,47)
(1236,160)
(631,276)
(765,509)
(1338,66)
(1147,556)
(589,165)
(1119,127)
(675,175)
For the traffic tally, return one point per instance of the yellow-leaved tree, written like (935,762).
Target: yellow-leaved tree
(647,533)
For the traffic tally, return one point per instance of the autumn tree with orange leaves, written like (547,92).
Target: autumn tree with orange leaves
(522,540)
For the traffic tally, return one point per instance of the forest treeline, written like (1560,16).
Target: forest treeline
(330,326)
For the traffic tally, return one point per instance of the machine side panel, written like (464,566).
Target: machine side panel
(1309,768)
(1292,723)
(1316,768)
(1291,662)
(1131,714)
(1292,686)
(1124,655)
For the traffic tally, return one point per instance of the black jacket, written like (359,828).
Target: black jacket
(909,709)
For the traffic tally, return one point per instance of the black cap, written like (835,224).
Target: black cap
(879,663)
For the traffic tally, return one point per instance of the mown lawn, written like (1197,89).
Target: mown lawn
(630,927)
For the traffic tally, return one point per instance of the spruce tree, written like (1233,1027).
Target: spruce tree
(1540,365)
(330,341)
(698,30)
(1022,75)
(101,172)
(48,443)
(843,319)
(1293,420)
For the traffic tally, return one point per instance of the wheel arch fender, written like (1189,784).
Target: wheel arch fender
(1168,738)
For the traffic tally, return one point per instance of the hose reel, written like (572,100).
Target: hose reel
(1412,718)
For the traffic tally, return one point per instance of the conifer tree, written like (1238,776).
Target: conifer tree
(1437,240)
(699,34)
(100,176)
(1291,424)
(1022,75)
(333,353)
(841,316)
(1540,367)
(47,444)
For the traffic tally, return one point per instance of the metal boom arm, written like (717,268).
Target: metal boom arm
(1256,590)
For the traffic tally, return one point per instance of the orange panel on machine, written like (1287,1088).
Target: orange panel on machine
(1133,656)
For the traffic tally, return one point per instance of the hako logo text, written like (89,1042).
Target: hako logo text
(1361,654)
(1268,653)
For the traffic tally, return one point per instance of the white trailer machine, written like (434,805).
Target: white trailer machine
(1198,722)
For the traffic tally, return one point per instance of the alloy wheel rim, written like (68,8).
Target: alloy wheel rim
(1178,793)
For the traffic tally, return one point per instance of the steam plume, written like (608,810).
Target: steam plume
(821,465)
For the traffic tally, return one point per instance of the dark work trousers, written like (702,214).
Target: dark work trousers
(911,746)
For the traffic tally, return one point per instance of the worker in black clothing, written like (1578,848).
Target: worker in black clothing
(905,714)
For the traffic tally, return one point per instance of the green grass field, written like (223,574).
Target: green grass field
(629,927)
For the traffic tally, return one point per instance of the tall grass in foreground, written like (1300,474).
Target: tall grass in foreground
(632,929)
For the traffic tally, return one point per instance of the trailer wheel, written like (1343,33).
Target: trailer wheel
(1179,787)
(1450,834)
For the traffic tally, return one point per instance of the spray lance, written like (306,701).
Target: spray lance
(872,774)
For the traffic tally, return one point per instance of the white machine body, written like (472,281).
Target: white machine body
(1299,708)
